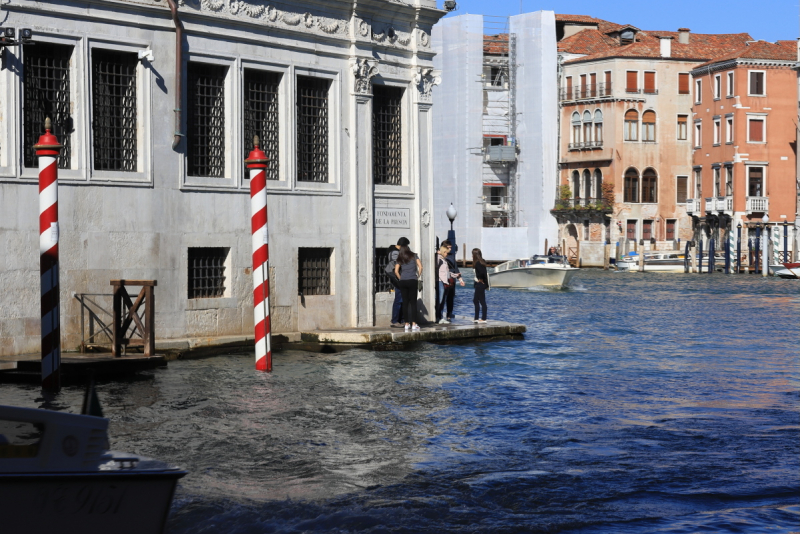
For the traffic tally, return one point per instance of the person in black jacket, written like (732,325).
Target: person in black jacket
(481,285)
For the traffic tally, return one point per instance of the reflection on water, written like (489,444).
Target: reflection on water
(636,403)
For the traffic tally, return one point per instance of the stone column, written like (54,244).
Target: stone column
(362,253)
(424,81)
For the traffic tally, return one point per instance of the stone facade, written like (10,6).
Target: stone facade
(142,222)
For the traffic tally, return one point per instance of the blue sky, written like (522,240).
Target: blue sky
(769,20)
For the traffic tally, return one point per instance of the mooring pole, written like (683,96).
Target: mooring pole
(257,164)
(786,241)
(47,150)
(700,254)
(739,248)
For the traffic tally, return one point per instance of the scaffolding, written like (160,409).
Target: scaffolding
(499,110)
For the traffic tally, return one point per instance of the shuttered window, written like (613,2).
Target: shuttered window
(682,189)
(683,83)
(649,126)
(608,83)
(631,193)
(649,186)
(650,83)
(682,127)
(583,86)
(632,81)
(647,230)
(631,125)
(670,229)
(757,83)
(569,87)
(593,84)
(755,130)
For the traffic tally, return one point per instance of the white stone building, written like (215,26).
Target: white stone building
(340,93)
(496,133)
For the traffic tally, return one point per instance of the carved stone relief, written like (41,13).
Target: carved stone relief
(364,70)
(425,79)
(262,10)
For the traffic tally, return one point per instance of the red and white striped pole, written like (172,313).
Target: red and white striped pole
(47,150)
(257,164)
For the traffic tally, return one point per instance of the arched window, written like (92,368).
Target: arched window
(576,128)
(598,127)
(587,127)
(576,184)
(631,185)
(587,185)
(649,186)
(598,184)
(649,126)
(631,125)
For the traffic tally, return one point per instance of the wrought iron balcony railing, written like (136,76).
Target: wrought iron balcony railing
(583,92)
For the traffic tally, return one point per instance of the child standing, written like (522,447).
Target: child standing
(481,285)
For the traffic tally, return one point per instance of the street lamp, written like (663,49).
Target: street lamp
(451,214)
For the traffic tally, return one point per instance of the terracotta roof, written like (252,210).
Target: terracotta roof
(578,18)
(782,50)
(495,44)
(598,44)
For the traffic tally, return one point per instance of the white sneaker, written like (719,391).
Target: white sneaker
(444,321)
(475,321)
(481,321)
(415,328)
(407,328)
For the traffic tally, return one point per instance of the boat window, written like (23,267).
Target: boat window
(19,439)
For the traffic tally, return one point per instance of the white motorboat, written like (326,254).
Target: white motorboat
(536,271)
(662,262)
(57,475)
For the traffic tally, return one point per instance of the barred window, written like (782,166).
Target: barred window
(261,115)
(386,135)
(46,87)
(382,283)
(312,129)
(206,120)
(207,272)
(314,270)
(114,110)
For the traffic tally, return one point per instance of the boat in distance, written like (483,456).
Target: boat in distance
(660,262)
(57,475)
(539,270)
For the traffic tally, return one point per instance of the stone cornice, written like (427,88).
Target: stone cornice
(743,62)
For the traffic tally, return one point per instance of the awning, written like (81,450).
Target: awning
(494,184)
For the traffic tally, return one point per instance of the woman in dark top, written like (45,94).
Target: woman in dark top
(408,269)
(481,284)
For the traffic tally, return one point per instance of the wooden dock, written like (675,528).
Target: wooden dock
(76,367)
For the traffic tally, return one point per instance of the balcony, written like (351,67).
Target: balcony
(725,205)
(500,154)
(585,92)
(588,145)
(582,205)
(711,204)
(692,205)
(756,205)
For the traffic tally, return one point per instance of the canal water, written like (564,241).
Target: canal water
(636,403)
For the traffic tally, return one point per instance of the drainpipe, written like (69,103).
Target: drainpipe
(178,64)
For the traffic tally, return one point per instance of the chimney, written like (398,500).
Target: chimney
(683,35)
(666,46)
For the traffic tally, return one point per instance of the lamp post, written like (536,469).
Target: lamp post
(739,248)
(765,247)
(451,214)
(451,236)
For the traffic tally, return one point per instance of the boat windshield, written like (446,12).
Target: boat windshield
(540,259)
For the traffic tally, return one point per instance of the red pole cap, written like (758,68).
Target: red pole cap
(257,159)
(48,144)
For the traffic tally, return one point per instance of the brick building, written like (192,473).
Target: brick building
(625,108)
(744,136)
